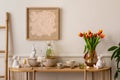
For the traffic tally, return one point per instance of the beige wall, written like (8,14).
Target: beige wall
(76,16)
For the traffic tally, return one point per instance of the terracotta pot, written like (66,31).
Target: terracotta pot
(90,58)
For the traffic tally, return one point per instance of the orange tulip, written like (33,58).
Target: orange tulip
(87,36)
(102,35)
(90,35)
(100,31)
(95,34)
(81,34)
(89,32)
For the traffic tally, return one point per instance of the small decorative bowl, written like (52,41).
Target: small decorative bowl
(33,62)
(50,62)
(70,63)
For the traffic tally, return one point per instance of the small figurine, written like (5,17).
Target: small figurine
(16,63)
(100,63)
(24,63)
(32,55)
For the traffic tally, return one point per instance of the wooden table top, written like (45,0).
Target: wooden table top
(28,69)
(92,69)
(54,69)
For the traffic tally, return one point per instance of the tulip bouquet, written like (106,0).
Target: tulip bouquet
(91,39)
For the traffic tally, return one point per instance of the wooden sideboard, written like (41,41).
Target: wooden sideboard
(54,69)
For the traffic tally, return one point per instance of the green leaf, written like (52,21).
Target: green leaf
(85,48)
(113,55)
(118,63)
(88,44)
(117,53)
(116,75)
(112,48)
(96,42)
(119,43)
(90,41)
(117,59)
(118,69)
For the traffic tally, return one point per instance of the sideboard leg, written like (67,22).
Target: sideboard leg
(26,75)
(103,75)
(92,75)
(12,75)
(110,74)
(9,74)
(34,75)
(85,75)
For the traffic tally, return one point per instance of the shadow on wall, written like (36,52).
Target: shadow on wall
(103,46)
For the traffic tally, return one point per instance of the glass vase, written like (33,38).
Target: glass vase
(90,58)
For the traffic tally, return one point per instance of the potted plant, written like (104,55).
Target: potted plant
(116,56)
(91,41)
(51,60)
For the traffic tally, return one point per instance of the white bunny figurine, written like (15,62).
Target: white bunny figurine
(15,63)
(100,63)
(32,55)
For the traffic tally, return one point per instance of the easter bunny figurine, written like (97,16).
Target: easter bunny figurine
(100,63)
(33,53)
(16,63)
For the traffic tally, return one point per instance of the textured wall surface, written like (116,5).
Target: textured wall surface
(75,16)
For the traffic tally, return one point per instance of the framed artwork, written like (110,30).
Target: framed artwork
(43,23)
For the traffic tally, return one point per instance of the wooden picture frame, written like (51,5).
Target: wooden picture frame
(43,23)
